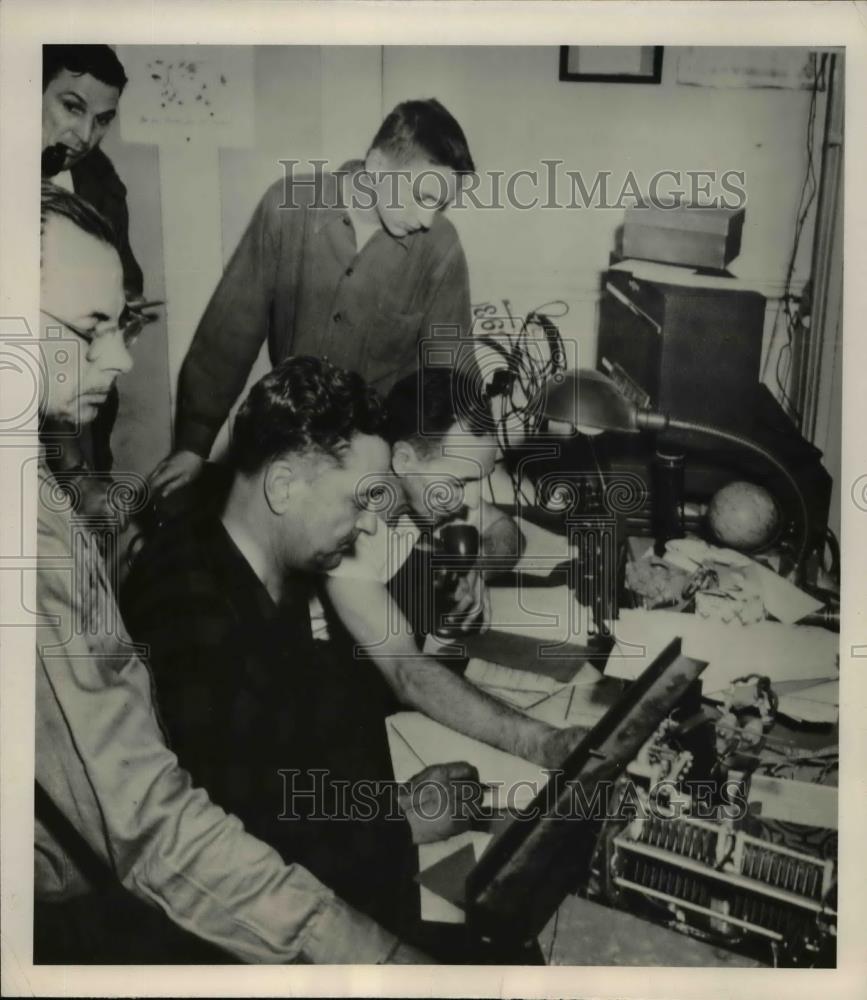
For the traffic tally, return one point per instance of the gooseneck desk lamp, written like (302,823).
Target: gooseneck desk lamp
(589,401)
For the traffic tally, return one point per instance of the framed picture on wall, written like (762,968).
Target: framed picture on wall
(611,63)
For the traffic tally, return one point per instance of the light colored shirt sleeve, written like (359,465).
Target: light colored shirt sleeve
(369,559)
(233,327)
(101,756)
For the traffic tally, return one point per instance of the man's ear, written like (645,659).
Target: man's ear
(374,161)
(280,484)
(403,457)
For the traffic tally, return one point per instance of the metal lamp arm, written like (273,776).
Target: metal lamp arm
(647,420)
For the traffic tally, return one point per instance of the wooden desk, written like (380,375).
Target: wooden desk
(586,933)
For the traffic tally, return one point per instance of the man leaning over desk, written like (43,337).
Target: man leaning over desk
(356,266)
(443,446)
(122,837)
(254,709)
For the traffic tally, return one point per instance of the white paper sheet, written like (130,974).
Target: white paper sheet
(572,706)
(795,801)
(415,741)
(557,703)
(543,550)
(549,614)
(819,704)
(185,95)
(782,598)
(781,652)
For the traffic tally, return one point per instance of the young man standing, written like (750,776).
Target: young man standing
(355,266)
(116,817)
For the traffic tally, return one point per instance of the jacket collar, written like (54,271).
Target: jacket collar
(334,198)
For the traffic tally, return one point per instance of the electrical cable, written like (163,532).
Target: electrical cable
(526,373)
(809,189)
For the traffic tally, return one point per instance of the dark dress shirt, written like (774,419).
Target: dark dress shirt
(244,694)
(298,281)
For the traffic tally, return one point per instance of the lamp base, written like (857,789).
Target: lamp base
(667,474)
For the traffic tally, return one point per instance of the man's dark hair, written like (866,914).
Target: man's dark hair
(305,404)
(424,127)
(98,61)
(58,202)
(424,406)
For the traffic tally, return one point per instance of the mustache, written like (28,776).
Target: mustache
(99,390)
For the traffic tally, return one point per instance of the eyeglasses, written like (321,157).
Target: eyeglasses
(132,321)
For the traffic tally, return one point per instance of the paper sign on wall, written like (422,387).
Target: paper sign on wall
(184,94)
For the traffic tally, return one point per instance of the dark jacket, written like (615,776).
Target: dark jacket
(95,179)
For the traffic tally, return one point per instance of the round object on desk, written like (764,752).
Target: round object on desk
(743,516)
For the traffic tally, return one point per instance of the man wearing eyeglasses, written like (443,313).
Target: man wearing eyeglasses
(118,823)
(81,88)
(82,370)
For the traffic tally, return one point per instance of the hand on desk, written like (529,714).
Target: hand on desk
(180,468)
(441,801)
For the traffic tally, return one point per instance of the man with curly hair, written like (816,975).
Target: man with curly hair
(221,596)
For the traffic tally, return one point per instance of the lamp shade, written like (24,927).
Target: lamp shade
(586,398)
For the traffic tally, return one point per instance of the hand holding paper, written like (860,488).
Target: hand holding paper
(438,801)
